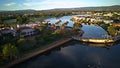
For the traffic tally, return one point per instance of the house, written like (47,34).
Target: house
(8,30)
(108,21)
(30,24)
(26,31)
(108,14)
(68,28)
(116,24)
(33,24)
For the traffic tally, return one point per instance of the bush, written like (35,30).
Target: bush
(51,37)
(21,40)
(27,45)
(112,30)
(9,50)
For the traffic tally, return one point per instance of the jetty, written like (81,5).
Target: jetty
(97,40)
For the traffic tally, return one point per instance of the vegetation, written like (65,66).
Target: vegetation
(77,26)
(103,25)
(10,51)
(12,47)
(58,22)
(112,30)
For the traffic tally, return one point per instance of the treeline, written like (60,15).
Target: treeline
(23,17)
(44,13)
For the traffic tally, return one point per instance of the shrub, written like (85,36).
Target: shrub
(9,50)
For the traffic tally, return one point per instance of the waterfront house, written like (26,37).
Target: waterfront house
(26,31)
(108,14)
(116,24)
(108,21)
(7,31)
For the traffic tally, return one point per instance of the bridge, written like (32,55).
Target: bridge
(97,40)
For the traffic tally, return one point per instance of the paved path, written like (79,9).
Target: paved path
(17,61)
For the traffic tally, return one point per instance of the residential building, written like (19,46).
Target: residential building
(26,31)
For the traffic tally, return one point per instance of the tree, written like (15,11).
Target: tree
(62,26)
(19,20)
(10,51)
(58,22)
(1,20)
(21,40)
(66,23)
(111,30)
(77,26)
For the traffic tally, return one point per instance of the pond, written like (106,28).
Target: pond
(77,55)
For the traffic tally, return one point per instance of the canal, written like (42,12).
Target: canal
(76,54)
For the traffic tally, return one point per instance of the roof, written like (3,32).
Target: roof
(24,28)
(116,24)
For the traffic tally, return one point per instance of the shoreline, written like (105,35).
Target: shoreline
(31,55)
(97,40)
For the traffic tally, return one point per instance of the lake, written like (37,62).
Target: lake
(76,54)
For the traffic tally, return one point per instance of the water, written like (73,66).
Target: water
(77,55)
(63,19)
(93,31)
(89,30)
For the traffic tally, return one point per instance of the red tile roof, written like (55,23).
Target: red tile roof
(116,24)
(23,28)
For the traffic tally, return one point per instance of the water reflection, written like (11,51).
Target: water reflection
(89,30)
(77,55)
(107,45)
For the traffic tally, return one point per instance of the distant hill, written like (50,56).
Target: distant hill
(101,8)
(27,10)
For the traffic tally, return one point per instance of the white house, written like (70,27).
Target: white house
(26,31)
(108,21)
(108,14)
(8,30)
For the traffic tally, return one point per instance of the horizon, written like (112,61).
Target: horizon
(11,5)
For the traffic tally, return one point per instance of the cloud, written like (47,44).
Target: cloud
(27,4)
(10,4)
(55,4)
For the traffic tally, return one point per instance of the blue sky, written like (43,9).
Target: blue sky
(50,4)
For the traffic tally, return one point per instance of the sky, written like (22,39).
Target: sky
(51,4)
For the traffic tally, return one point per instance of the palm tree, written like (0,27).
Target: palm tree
(19,20)
(58,23)
(62,26)
(77,26)
(66,23)
(1,21)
